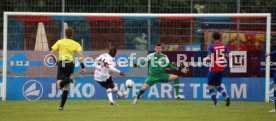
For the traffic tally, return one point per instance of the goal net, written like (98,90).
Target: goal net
(28,37)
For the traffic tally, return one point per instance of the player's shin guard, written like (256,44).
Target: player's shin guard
(141,92)
(213,95)
(176,86)
(64,98)
(222,91)
(109,94)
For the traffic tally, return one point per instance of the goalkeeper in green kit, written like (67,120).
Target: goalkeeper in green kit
(157,64)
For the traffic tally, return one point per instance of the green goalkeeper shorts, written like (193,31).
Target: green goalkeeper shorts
(151,80)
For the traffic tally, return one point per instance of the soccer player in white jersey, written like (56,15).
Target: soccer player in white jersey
(102,65)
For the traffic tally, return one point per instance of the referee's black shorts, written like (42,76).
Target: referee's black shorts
(66,70)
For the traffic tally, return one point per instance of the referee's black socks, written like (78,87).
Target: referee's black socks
(64,82)
(64,98)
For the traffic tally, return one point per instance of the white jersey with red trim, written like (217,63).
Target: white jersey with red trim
(102,65)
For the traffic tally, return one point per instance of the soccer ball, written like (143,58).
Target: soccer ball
(129,83)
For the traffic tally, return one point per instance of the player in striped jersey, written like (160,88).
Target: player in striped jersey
(217,53)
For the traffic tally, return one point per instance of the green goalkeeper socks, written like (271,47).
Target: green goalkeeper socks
(176,86)
(140,93)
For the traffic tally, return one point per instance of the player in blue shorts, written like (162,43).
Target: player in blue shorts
(274,78)
(217,53)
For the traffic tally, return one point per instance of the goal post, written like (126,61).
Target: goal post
(133,15)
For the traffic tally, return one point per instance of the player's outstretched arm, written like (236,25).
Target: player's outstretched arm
(183,69)
(180,69)
(112,68)
(81,57)
(52,54)
(207,58)
(172,67)
(55,49)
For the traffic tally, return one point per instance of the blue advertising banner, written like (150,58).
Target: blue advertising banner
(239,89)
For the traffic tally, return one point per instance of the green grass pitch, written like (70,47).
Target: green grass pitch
(145,110)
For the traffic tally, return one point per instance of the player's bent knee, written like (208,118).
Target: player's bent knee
(145,86)
(173,77)
(65,87)
(210,86)
(58,83)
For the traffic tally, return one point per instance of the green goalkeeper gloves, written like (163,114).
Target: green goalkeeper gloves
(183,70)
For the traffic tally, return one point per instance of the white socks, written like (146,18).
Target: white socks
(115,90)
(109,94)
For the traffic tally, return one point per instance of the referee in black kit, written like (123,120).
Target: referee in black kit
(66,49)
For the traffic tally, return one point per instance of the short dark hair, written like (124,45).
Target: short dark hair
(159,44)
(112,51)
(216,36)
(69,32)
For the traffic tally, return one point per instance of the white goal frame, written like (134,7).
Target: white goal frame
(5,33)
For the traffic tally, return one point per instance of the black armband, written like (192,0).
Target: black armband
(82,65)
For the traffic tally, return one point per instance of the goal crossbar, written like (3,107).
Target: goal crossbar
(137,15)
